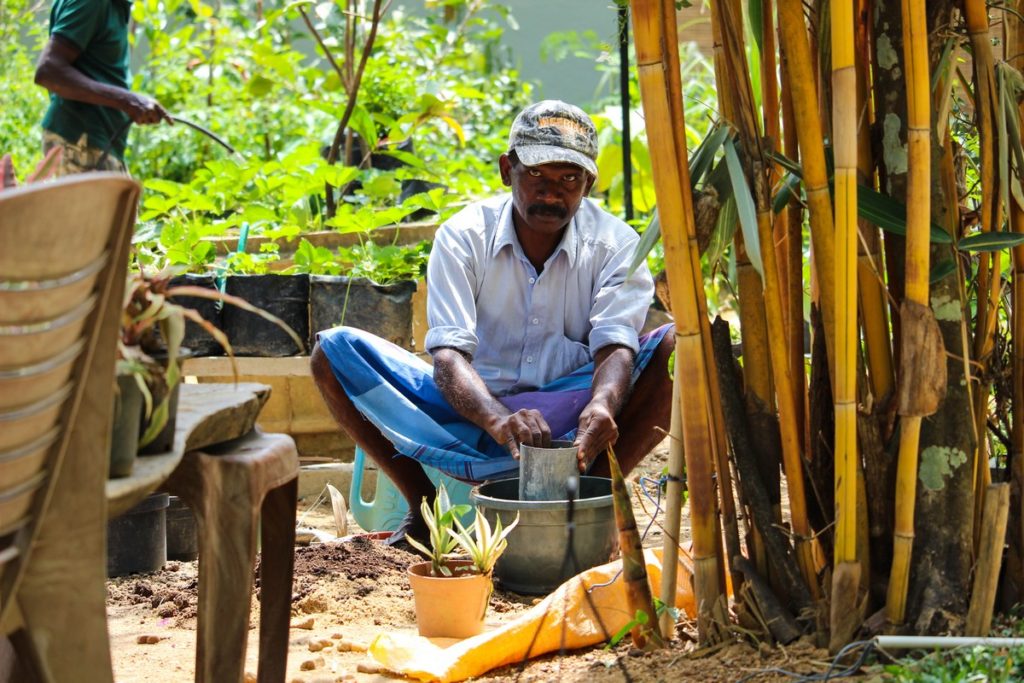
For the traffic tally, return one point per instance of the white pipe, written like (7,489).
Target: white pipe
(926,642)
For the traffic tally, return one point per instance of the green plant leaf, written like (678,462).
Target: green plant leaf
(648,239)
(744,206)
(990,241)
(891,215)
(788,187)
(639,619)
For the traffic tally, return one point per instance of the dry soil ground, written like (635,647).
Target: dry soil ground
(346,594)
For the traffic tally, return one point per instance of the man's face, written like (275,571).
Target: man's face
(545,197)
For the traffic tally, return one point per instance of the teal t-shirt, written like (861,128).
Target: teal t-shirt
(99,28)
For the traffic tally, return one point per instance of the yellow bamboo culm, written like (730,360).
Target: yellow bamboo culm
(675,208)
(789,428)
(989,264)
(846,576)
(915,55)
(804,94)
(870,282)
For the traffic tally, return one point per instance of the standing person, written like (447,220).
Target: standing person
(85,67)
(534,332)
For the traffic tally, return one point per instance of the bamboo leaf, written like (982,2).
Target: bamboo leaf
(990,241)
(700,163)
(744,206)
(725,229)
(704,155)
(786,163)
(647,241)
(891,215)
(788,186)
(755,12)
(1004,145)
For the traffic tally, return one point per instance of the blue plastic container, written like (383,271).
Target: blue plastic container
(388,507)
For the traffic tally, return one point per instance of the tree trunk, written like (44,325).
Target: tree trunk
(941,560)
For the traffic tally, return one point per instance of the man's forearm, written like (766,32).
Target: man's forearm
(71,84)
(613,369)
(464,390)
(56,72)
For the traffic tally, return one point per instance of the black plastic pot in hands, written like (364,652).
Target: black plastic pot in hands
(196,338)
(285,296)
(384,310)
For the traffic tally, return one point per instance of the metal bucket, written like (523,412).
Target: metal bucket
(535,561)
(544,472)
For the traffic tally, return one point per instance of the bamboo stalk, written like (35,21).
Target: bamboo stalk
(1015,567)
(634,569)
(989,266)
(789,429)
(804,93)
(727,517)
(847,570)
(870,285)
(792,247)
(915,56)
(870,282)
(990,559)
(1014,583)
(675,206)
(673,513)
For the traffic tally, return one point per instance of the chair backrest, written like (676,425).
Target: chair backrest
(63,259)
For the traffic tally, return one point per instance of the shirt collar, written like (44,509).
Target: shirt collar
(506,235)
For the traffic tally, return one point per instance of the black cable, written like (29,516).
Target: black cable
(827,675)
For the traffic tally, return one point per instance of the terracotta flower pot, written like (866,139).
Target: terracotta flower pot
(449,606)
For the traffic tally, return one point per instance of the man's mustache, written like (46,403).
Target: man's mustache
(547,210)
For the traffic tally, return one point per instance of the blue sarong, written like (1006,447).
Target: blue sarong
(395,390)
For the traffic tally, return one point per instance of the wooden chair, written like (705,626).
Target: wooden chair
(63,258)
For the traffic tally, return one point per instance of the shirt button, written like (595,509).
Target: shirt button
(529,359)
(532,280)
(536,320)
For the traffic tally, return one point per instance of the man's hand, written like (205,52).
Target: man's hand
(462,387)
(145,110)
(597,431)
(526,426)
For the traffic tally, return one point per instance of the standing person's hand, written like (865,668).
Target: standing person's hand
(145,110)
(525,426)
(597,431)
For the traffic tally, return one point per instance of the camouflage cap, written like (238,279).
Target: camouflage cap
(551,131)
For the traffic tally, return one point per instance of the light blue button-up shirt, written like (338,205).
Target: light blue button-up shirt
(523,330)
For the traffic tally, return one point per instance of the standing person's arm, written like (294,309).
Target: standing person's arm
(56,72)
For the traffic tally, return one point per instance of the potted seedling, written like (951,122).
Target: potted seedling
(452,589)
(152,329)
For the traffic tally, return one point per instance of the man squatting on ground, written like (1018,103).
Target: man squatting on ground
(85,67)
(534,332)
